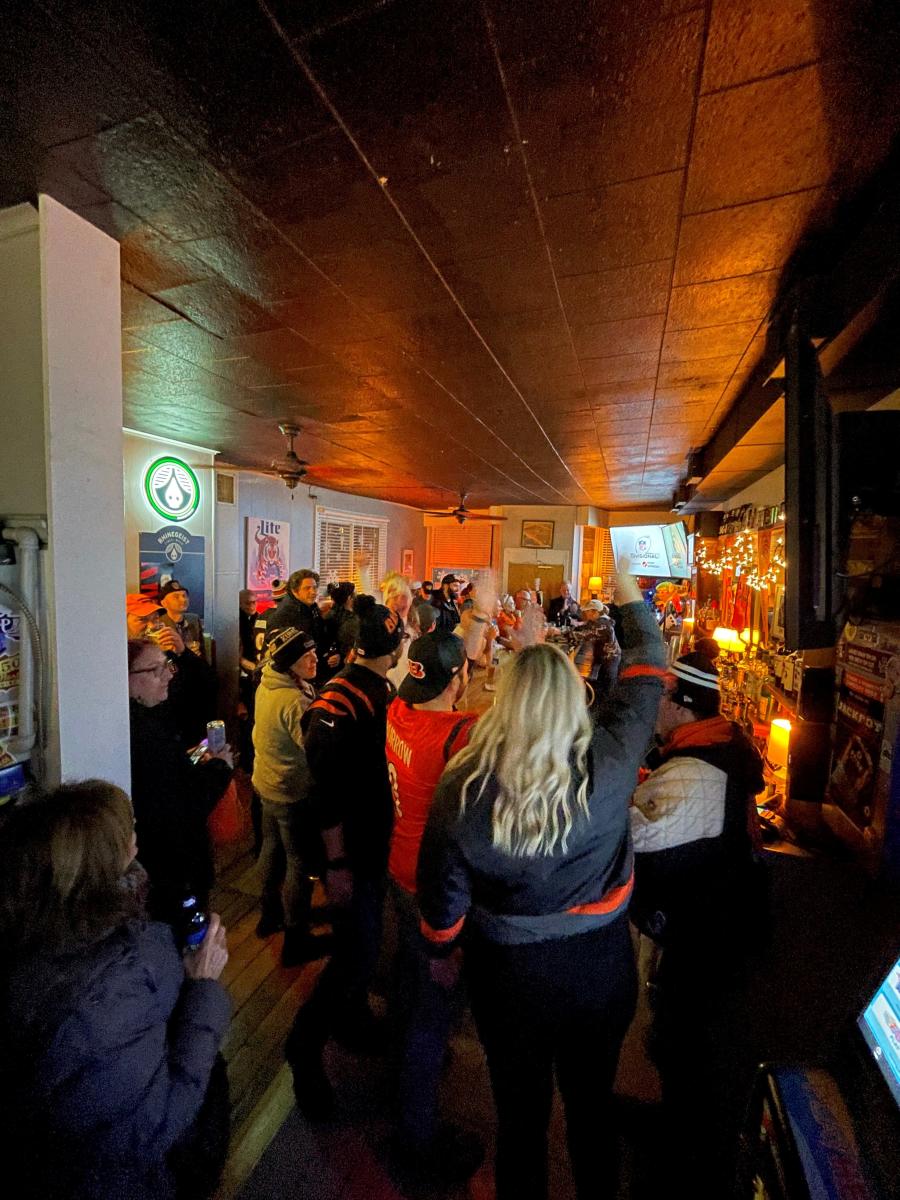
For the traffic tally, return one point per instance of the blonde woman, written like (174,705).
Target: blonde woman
(526,862)
(398,598)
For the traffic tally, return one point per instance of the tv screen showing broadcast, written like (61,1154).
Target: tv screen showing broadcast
(659,550)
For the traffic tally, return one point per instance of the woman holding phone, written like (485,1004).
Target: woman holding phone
(172,794)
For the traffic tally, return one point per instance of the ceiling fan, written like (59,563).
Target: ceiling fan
(290,468)
(463,514)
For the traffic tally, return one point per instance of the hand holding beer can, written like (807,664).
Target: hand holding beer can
(154,627)
(215,737)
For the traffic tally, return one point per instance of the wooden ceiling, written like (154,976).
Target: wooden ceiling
(523,250)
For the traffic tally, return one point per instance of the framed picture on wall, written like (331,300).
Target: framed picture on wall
(407,563)
(537,535)
(268,546)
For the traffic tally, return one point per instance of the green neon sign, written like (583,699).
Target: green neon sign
(171,488)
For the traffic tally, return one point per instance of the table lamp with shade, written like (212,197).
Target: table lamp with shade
(595,585)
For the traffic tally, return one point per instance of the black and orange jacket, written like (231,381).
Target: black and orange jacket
(694,827)
(463,877)
(344,730)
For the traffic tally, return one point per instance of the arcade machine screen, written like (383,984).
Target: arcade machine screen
(833,1133)
(879,1024)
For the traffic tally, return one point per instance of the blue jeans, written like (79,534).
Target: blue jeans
(425,1012)
(280,862)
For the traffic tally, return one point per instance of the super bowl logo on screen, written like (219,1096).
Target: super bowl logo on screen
(172,489)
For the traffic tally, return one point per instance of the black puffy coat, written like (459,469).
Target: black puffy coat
(172,800)
(106,1057)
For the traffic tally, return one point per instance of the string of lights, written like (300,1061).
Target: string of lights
(741,558)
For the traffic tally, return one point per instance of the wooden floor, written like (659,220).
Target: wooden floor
(265,997)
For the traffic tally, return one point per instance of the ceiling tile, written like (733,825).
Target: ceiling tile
(616,295)
(282,349)
(699,373)
(749,41)
(640,335)
(722,301)
(713,341)
(56,95)
(744,239)
(153,263)
(779,129)
(615,414)
(213,306)
(634,123)
(635,394)
(626,368)
(621,225)
(139,309)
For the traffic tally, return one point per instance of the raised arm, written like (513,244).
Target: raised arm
(628,718)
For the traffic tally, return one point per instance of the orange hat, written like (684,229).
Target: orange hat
(138,605)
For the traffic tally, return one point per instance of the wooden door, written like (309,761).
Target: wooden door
(524,574)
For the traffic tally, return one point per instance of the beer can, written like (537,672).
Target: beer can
(215,736)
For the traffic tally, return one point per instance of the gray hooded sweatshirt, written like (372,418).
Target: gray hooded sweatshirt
(280,773)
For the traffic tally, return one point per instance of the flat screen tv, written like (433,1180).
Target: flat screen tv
(656,550)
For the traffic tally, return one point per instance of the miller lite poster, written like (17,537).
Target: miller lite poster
(268,552)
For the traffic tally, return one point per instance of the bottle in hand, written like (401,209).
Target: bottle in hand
(194,923)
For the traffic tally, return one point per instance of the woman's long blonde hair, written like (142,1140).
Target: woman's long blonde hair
(534,742)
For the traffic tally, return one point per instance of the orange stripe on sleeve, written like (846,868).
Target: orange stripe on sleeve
(608,903)
(643,669)
(440,937)
(337,712)
(330,697)
(355,691)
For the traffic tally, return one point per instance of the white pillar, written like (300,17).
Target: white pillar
(61,407)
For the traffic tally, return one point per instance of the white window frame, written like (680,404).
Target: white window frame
(356,521)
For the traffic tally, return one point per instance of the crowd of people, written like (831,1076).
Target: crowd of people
(517,850)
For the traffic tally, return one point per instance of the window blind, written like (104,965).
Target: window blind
(339,537)
(468,544)
(606,558)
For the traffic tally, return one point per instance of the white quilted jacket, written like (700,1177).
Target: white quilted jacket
(682,801)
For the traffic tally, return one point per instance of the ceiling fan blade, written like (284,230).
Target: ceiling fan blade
(430,513)
(482,517)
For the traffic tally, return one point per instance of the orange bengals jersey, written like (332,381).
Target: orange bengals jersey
(419,745)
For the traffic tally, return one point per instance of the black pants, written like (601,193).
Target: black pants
(341,994)
(705,1059)
(563,1004)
